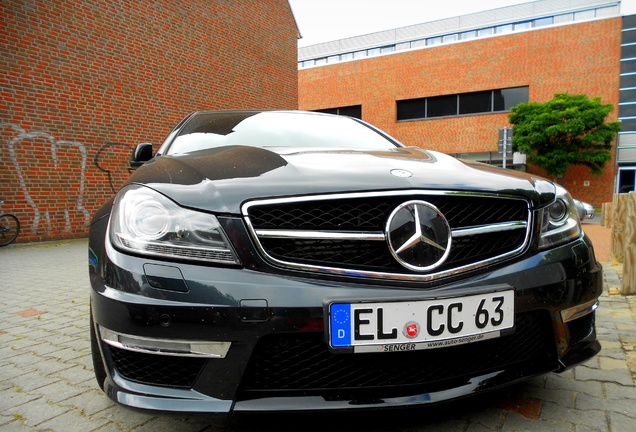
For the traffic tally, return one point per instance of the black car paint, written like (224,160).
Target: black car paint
(219,302)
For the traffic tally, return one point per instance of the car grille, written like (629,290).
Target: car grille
(153,369)
(362,216)
(301,363)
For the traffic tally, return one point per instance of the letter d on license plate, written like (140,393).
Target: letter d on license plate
(420,324)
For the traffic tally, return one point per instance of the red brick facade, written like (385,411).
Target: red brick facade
(83,82)
(575,58)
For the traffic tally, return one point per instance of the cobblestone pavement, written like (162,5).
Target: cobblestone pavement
(47,383)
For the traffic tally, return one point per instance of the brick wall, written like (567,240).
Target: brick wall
(576,58)
(83,82)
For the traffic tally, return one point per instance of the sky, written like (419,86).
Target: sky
(326,20)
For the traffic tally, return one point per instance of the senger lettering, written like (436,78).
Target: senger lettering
(399,347)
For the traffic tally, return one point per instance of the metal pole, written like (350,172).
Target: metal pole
(505,141)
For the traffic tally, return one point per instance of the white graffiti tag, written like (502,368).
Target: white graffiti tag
(40,207)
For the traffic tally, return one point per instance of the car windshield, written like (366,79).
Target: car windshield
(277,130)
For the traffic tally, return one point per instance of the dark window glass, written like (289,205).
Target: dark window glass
(505,99)
(628,125)
(351,111)
(628,51)
(628,36)
(629,22)
(627,95)
(627,110)
(477,102)
(328,110)
(439,106)
(411,109)
(628,66)
(628,81)
(626,181)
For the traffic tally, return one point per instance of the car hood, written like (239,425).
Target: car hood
(221,179)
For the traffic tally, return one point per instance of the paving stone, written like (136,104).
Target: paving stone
(592,418)
(517,422)
(89,402)
(76,374)
(621,406)
(57,392)
(31,381)
(618,391)
(72,421)
(556,381)
(14,397)
(125,418)
(621,423)
(35,412)
(621,376)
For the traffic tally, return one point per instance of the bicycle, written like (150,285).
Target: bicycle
(9,227)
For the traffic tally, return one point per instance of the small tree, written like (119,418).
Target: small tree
(567,130)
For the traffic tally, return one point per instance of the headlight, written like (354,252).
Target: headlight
(559,220)
(146,222)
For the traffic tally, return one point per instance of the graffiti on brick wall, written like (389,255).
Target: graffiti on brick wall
(51,175)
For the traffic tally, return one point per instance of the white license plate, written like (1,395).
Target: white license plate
(420,324)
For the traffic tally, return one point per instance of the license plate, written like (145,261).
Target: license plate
(420,324)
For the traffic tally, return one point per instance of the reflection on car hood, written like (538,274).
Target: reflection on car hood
(221,179)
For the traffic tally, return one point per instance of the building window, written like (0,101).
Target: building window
(440,106)
(523,25)
(543,22)
(481,102)
(411,109)
(351,111)
(505,99)
(476,102)
(450,38)
(506,28)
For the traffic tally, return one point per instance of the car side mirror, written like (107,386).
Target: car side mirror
(141,155)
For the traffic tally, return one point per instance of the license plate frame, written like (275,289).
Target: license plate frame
(389,325)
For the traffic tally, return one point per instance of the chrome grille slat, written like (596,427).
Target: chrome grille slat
(345,233)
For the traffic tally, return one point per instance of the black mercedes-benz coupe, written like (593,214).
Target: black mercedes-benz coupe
(287,260)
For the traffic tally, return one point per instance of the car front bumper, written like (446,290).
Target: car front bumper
(248,340)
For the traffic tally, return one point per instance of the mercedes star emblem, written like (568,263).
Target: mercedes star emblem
(418,235)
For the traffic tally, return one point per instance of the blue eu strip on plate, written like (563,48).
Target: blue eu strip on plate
(340,325)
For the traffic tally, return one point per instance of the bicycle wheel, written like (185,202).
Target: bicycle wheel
(9,228)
